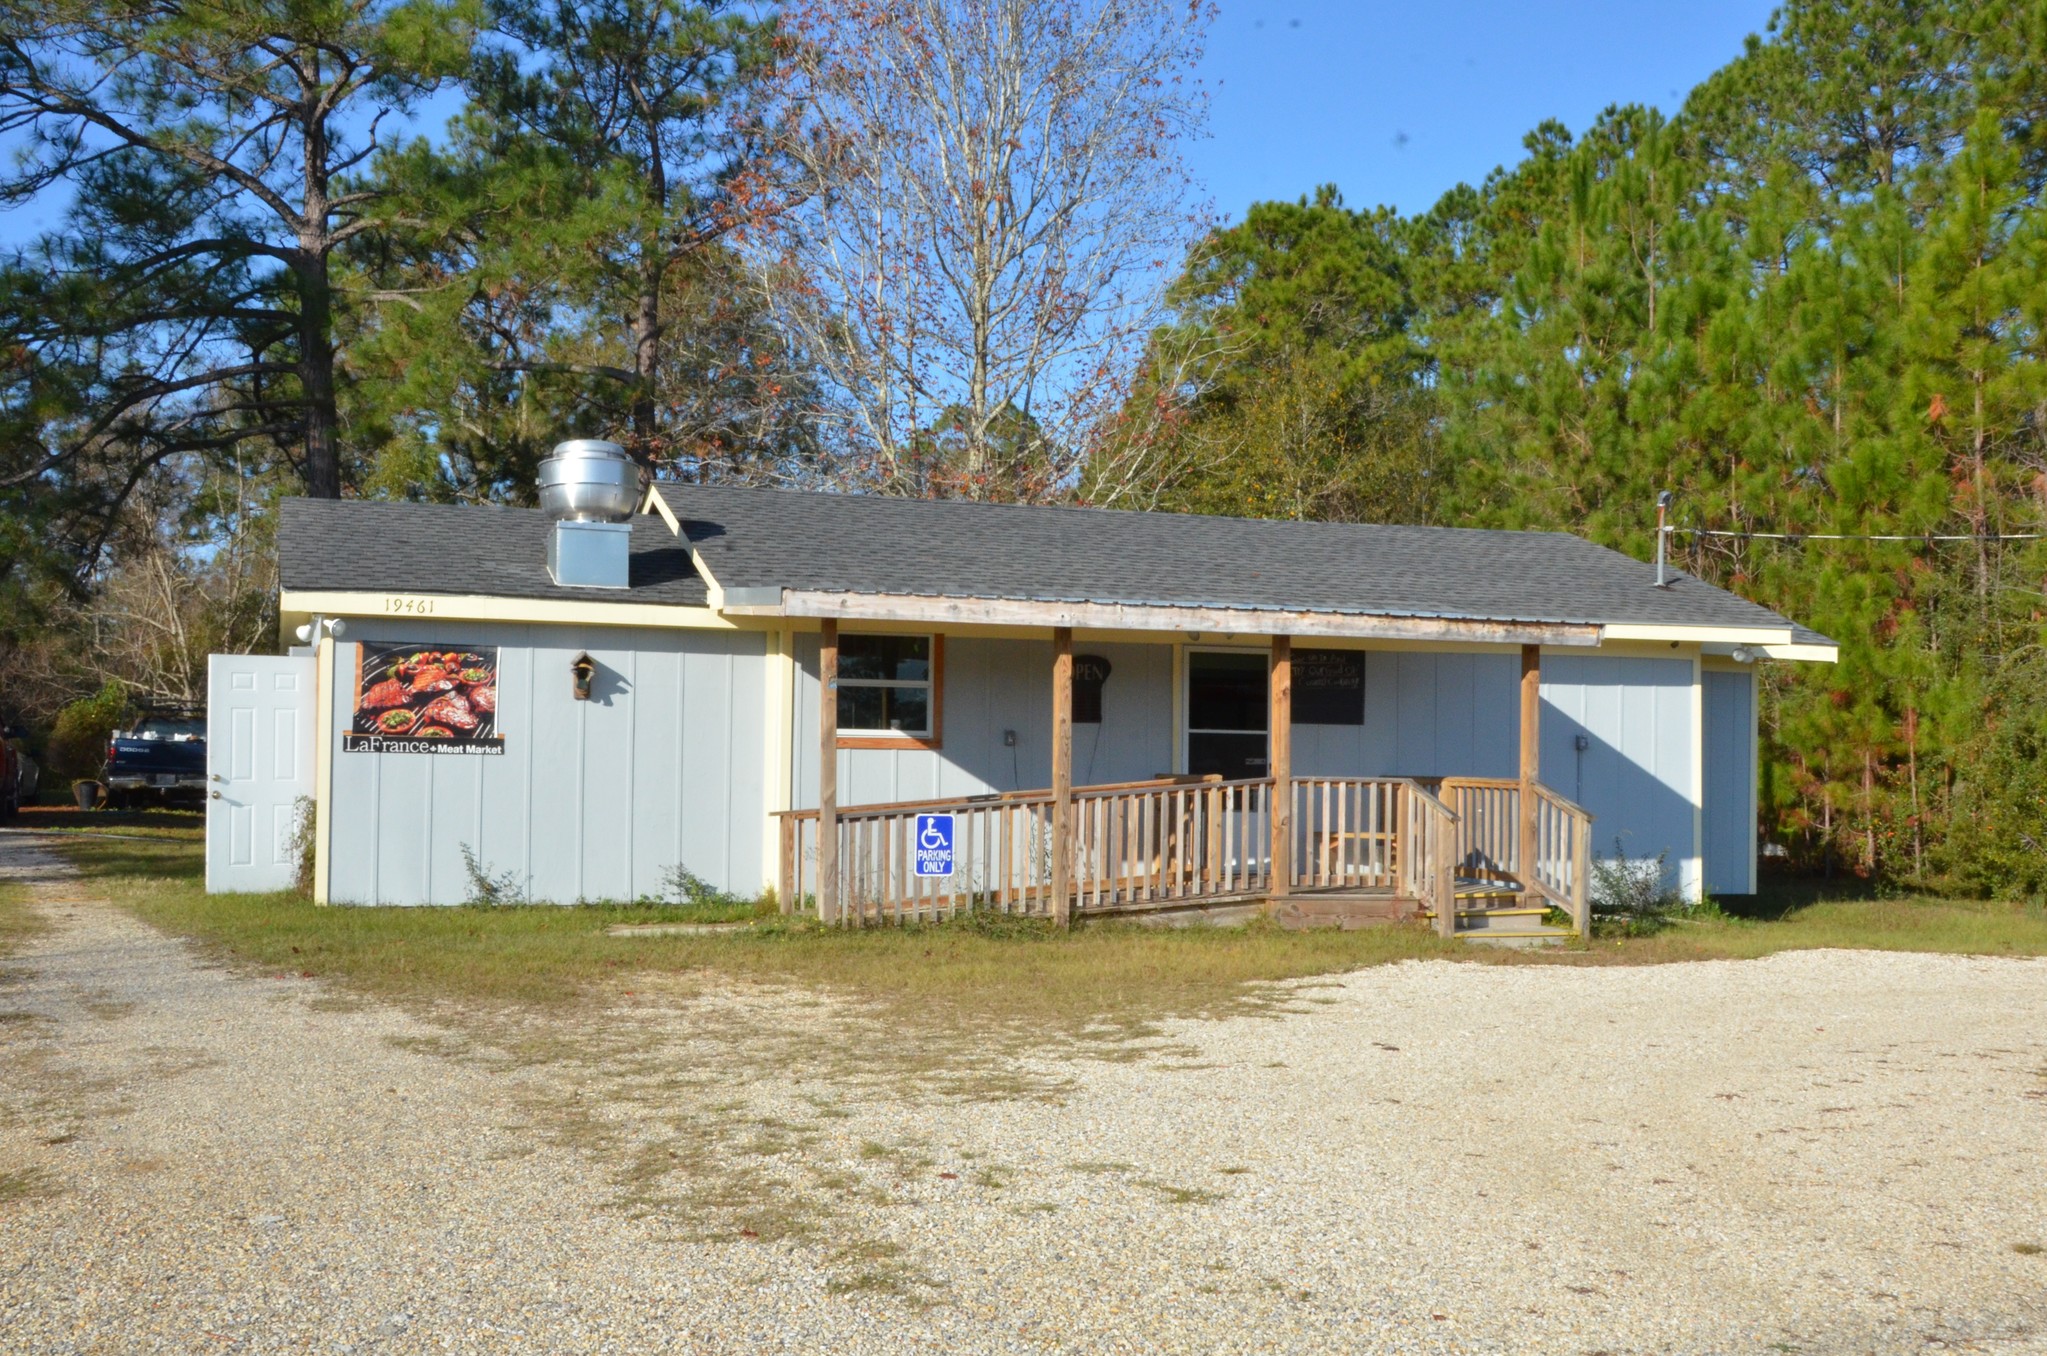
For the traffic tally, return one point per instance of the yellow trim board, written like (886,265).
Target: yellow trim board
(480,607)
(1703,635)
(1809,654)
(656,504)
(323,765)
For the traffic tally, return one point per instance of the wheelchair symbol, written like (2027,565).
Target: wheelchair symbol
(934,845)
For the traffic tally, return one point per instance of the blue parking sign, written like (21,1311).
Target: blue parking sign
(934,845)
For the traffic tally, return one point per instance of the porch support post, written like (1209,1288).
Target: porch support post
(1280,762)
(1062,775)
(1531,746)
(828,773)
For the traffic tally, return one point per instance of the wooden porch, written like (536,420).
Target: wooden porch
(1474,855)
(1355,849)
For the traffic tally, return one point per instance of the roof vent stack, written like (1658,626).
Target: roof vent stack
(590,488)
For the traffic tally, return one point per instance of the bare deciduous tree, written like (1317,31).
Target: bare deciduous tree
(996,193)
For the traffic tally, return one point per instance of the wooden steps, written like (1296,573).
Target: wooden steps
(1489,912)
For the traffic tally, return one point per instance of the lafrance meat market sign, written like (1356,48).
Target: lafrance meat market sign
(426,699)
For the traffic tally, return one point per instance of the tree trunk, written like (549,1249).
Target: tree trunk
(316,309)
(316,379)
(647,357)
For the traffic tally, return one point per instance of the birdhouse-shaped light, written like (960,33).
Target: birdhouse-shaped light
(583,672)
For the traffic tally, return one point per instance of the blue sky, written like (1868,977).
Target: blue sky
(1396,102)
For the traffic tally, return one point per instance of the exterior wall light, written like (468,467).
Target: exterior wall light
(583,672)
(333,626)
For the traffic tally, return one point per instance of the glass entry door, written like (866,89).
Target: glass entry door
(1227,714)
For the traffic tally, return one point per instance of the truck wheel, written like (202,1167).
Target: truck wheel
(116,798)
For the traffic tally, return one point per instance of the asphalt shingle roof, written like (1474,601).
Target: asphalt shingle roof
(776,539)
(860,544)
(357,544)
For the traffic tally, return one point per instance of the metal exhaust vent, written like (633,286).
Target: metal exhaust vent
(590,488)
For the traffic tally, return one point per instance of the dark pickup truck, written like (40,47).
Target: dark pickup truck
(162,758)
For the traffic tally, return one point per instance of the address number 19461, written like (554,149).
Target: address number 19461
(414,606)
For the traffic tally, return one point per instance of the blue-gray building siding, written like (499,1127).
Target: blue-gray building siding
(591,800)
(1426,715)
(1730,816)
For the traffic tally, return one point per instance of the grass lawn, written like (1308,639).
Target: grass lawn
(1005,971)
(175,825)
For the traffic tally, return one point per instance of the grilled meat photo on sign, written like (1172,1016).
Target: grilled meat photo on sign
(424,696)
(450,710)
(385,695)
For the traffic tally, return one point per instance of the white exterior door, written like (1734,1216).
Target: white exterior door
(259,761)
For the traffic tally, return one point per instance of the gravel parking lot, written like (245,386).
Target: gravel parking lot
(1817,1152)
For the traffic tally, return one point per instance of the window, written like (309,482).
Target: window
(888,687)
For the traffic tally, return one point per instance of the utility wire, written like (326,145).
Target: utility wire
(1857,536)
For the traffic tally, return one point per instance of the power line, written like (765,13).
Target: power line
(1858,536)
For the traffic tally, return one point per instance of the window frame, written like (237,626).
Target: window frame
(935,699)
(1188,729)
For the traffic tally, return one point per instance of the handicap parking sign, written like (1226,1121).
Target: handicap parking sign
(934,845)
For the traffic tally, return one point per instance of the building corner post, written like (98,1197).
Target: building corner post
(1280,763)
(1062,775)
(828,902)
(1531,770)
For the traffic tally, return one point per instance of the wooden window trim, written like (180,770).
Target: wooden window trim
(932,741)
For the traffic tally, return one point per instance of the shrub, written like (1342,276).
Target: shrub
(488,887)
(1633,890)
(304,836)
(78,741)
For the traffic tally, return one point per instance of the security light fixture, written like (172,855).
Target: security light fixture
(333,626)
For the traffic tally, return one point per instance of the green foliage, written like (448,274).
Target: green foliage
(1313,398)
(78,741)
(1998,841)
(304,845)
(187,307)
(1635,894)
(686,887)
(1814,302)
(567,272)
(487,888)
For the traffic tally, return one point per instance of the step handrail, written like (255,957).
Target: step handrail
(1563,848)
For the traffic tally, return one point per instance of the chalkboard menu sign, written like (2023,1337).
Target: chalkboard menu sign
(1090,671)
(1329,687)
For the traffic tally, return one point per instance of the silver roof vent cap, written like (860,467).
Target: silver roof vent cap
(588,480)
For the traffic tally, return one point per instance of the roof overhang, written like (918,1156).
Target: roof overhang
(296,606)
(947,611)
(1771,642)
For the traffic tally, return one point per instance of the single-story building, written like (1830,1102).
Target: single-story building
(899,708)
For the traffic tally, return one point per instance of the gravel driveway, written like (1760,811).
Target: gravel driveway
(1817,1152)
